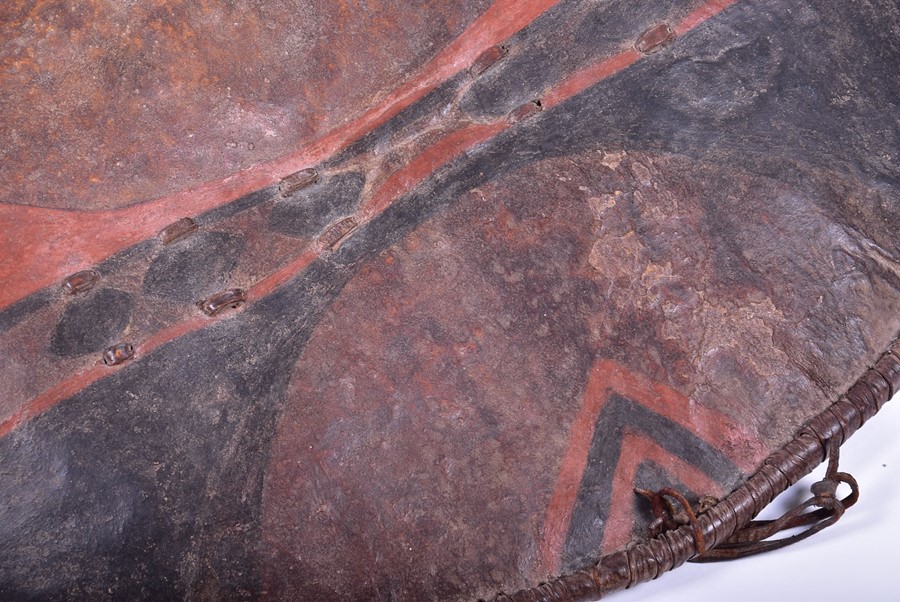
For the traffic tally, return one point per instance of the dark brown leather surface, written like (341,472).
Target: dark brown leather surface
(521,260)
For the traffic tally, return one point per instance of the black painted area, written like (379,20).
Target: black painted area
(762,88)
(20,310)
(248,201)
(785,90)
(194,267)
(146,485)
(307,212)
(120,260)
(591,511)
(92,322)
(408,121)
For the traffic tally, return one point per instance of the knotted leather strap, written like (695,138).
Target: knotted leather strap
(727,530)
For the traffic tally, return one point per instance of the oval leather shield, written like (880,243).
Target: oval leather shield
(434,300)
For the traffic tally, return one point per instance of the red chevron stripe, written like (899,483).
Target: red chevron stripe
(608,377)
(39,246)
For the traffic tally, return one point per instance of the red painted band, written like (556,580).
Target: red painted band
(157,214)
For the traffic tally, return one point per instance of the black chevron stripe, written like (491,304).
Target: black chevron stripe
(592,505)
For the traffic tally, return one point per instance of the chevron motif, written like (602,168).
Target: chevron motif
(626,423)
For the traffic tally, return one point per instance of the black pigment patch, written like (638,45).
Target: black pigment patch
(585,537)
(307,212)
(248,201)
(565,39)
(194,267)
(114,263)
(20,310)
(92,323)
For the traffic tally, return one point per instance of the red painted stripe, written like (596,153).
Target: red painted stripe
(442,152)
(171,333)
(587,77)
(100,229)
(273,281)
(40,246)
(51,397)
(701,14)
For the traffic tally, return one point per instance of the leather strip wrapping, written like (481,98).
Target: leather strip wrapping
(647,561)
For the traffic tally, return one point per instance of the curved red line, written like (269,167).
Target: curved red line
(432,158)
(607,377)
(702,13)
(635,450)
(587,77)
(52,396)
(39,246)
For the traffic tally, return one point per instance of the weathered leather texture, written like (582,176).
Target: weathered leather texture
(648,560)
(366,300)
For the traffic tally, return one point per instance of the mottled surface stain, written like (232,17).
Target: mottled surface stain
(107,103)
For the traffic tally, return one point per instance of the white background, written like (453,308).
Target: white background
(855,560)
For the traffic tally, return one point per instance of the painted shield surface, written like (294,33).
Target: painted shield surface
(402,300)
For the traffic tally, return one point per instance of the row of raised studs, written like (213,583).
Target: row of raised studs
(652,39)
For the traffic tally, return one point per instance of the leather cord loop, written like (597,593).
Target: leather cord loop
(668,517)
(754,537)
(725,529)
